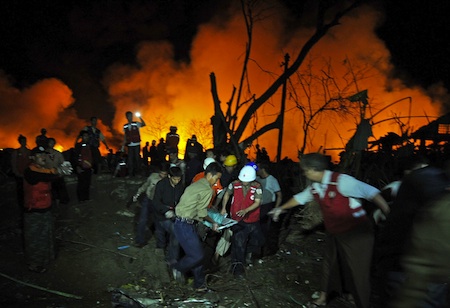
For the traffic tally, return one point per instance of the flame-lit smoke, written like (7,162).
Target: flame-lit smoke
(46,104)
(161,86)
(167,92)
(42,105)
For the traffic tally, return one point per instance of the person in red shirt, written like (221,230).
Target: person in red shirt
(247,235)
(38,231)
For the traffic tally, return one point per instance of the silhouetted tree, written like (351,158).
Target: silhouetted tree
(228,129)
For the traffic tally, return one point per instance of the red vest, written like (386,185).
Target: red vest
(37,196)
(85,159)
(338,216)
(241,202)
(132,132)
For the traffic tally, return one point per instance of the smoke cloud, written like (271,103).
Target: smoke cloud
(169,92)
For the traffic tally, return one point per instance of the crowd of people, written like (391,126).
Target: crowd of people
(210,204)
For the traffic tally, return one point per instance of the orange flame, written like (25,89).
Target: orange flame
(167,92)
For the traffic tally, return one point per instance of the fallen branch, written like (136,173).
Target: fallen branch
(41,288)
(105,249)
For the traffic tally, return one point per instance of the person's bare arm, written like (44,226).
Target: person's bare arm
(276,212)
(279,198)
(225,199)
(381,203)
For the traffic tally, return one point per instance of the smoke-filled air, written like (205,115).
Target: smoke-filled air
(349,59)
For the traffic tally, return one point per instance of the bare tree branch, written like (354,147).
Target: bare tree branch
(229,121)
(321,30)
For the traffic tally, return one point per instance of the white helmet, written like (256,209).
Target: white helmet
(207,161)
(247,174)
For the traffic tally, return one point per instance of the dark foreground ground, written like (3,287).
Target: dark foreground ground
(92,271)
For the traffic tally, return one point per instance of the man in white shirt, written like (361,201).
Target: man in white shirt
(349,231)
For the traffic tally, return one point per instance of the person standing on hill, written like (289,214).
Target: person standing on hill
(84,162)
(193,146)
(146,153)
(20,160)
(38,219)
(132,139)
(153,154)
(161,150)
(95,137)
(172,138)
(42,139)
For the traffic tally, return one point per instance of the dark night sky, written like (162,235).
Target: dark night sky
(416,32)
(47,38)
(75,41)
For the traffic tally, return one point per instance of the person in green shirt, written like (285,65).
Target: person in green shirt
(192,209)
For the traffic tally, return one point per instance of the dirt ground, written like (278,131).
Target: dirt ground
(97,266)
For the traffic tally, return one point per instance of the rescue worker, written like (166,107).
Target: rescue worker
(95,137)
(230,172)
(84,164)
(132,139)
(247,235)
(350,238)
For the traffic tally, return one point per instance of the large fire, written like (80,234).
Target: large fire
(168,93)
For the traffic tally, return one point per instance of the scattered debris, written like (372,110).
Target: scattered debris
(105,249)
(126,213)
(41,288)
